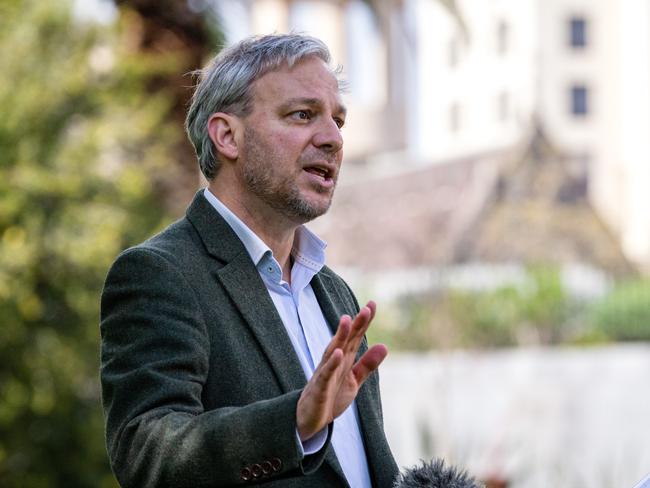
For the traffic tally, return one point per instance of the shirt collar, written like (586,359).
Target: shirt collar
(308,249)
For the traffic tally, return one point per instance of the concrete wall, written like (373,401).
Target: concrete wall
(562,417)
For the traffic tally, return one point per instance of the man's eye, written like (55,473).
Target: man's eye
(301,115)
(339,122)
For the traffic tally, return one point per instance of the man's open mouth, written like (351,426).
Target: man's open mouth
(321,171)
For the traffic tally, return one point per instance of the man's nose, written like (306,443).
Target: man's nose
(328,137)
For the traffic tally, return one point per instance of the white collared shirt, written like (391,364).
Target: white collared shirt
(307,328)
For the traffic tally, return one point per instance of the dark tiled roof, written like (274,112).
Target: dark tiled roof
(539,212)
(519,206)
(407,219)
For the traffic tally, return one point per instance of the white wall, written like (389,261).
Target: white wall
(562,417)
(611,144)
(561,66)
(634,99)
(476,81)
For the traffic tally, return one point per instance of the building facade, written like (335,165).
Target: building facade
(436,81)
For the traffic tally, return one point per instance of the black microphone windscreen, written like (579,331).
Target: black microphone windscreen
(435,475)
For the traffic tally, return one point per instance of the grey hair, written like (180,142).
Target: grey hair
(225,84)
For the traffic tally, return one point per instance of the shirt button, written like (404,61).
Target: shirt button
(245,474)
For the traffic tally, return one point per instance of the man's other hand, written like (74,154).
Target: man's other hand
(337,378)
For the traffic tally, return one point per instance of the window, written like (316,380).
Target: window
(453,52)
(454,117)
(502,37)
(579,100)
(578,32)
(503,106)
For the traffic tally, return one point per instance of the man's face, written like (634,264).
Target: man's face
(292,147)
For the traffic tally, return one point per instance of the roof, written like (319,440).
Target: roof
(525,205)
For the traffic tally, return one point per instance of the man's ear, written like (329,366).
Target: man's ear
(223,130)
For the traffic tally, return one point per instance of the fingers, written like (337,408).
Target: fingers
(373,309)
(369,362)
(360,326)
(337,378)
(328,370)
(350,332)
(349,335)
(340,338)
(314,409)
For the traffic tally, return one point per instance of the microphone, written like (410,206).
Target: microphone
(434,474)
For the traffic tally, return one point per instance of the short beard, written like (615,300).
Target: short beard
(283,196)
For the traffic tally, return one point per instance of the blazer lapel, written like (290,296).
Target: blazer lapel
(242,282)
(326,295)
(332,304)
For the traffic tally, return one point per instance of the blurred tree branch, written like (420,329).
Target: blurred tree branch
(185,33)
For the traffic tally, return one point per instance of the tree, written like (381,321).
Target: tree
(81,143)
(186,31)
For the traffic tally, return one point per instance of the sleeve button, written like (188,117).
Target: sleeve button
(245,474)
(256,470)
(276,464)
(267,468)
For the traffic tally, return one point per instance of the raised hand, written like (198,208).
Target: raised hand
(337,378)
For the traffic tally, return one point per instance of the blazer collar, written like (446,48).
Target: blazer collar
(241,280)
(218,237)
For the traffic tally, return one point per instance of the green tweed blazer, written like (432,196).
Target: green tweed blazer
(199,378)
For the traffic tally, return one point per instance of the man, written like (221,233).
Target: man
(230,353)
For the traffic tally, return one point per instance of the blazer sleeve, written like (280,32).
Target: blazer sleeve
(154,363)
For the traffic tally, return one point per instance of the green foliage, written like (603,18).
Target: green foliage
(486,319)
(79,142)
(405,325)
(535,312)
(624,314)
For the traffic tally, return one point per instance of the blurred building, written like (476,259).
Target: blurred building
(369,44)
(435,83)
